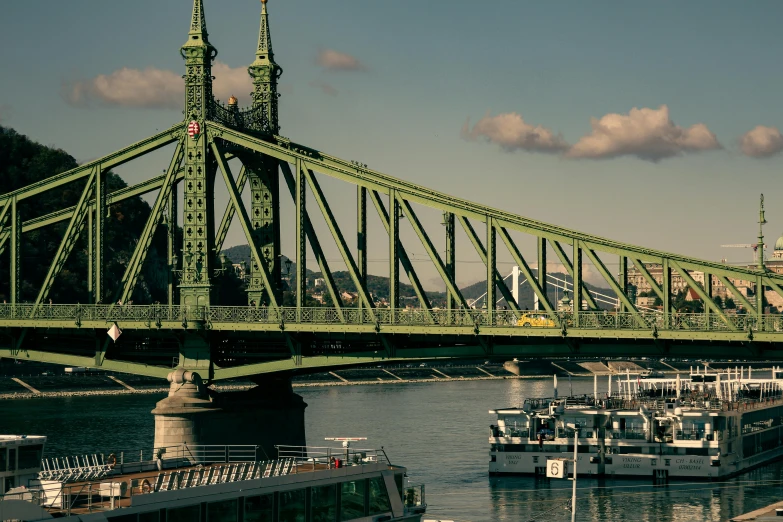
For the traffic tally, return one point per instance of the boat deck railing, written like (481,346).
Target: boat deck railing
(332,457)
(111,492)
(80,468)
(700,401)
(114,492)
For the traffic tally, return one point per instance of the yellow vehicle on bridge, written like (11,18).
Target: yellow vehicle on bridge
(535,319)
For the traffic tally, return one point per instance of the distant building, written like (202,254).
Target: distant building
(746,288)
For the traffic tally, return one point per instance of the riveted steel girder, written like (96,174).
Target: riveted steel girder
(620,292)
(107,162)
(129,278)
(71,236)
(570,268)
(244,221)
(296,188)
(342,246)
(482,252)
(705,297)
(87,362)
(434,256)
(228,215)
(404,259)
(539,290)
(346,171)
(738,295)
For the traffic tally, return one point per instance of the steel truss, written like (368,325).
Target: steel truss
(213,134)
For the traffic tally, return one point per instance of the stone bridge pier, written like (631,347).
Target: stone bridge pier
(266,415)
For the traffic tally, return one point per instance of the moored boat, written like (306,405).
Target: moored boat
(212,483)
(708,425)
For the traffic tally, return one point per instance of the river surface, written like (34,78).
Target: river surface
(439,431)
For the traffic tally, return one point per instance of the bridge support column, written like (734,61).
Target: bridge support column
(267,415)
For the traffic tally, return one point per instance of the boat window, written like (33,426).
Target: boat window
(30,456)
(398,481)
(696,451)
(149,516)
(184,514)
(352,500)
(3,459)
(292,506)
(323,503)
(259,509)
(379,497)
(223,511)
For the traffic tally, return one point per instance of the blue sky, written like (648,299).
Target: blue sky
(491,101)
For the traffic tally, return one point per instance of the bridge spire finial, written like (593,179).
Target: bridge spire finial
(762,222)
(198,23)
(264,36)
(265,73)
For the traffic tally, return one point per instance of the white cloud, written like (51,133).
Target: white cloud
(512,133)
(153,88)
(761,142)
(332,60)
(646,133)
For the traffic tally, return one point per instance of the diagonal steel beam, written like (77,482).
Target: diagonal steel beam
(522,264)
(284,150)
(228,215)
(482,252)
(404,259)
(315,244)
(69,239)
(87,362)
(774,286)
(708,302)
(244,221)
(431,251)
(111,160)
(601,267)
(640,266)
(131,275)
(736,293)
(337,234)
(570,270)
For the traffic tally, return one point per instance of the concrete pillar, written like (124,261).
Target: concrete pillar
(266,415)
(183,418)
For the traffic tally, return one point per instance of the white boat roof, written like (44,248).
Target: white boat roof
(17,440)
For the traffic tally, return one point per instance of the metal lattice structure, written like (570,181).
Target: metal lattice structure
(268,337)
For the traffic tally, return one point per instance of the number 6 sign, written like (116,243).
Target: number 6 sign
(556,469)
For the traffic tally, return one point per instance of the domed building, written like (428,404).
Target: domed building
(778,252)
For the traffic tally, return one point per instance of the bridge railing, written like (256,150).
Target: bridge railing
(109,313)
(379,317)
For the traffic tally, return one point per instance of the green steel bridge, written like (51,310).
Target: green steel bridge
(190,331)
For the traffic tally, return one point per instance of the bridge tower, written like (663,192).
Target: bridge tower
(263,171)
(270,413)
(198,254)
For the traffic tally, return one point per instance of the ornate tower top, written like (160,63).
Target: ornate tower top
(264,51)
(265,73)
(198,54)
(762,222)
(198,36)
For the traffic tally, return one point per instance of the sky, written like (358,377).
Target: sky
(653,123)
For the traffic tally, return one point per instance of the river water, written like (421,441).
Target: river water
(439,432)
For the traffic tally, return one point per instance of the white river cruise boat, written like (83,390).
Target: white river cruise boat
(205,483)
(709,425)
